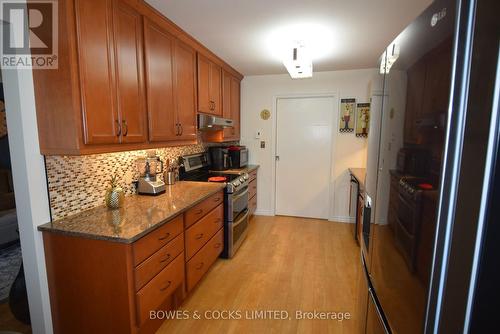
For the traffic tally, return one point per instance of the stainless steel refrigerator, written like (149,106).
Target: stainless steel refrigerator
(429,218)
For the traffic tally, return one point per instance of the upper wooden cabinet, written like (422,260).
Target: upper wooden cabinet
(126,80)
(428,82)
(209,86)
(111,72)
(231,105)
(170,83)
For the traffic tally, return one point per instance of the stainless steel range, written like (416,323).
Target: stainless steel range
(196,167)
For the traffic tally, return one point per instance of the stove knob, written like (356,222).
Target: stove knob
(236,183)
(242,179)
(246,177)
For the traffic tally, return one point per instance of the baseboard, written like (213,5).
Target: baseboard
(342,219)
(264,212)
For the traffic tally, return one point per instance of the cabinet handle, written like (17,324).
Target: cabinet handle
(176,129)
(217,221)
(181,129)
(166,286)
(125,128)
(164,237)
(199,211)
(198,267)
(119,128)
(199,236)
(217,199)
(217,245)
(166,258)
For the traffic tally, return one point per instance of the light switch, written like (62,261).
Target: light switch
(262,144)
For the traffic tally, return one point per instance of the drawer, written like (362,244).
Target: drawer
(201,262)
(252,205)
(154,294)
(252,175)
(159,260)
(252,188)
(197,212)
(150,243)
(198,234)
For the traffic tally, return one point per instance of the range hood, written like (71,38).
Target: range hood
(213,123)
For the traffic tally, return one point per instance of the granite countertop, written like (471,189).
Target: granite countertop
(247,169)
(359,174)
(139,215)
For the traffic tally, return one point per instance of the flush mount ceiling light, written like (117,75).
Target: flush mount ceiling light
(312,42)
(298,62)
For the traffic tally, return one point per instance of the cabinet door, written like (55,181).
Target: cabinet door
(96,67)
(185,90)
(414,98)
(204,104)
(159,47)
(129,72)
(235,107)
(231,104)
(437,82)
(215,89)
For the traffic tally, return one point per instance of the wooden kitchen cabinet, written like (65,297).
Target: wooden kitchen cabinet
(209,86)
(111,68)
(107,286)
(231,93)
(170,83)
(414,101)
(126,79)
(231,105)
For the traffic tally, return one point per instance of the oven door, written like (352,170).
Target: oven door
(239,203)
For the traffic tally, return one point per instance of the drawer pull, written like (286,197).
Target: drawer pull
(164,237)
(198,267)
(217,245)
(217,199)
(217,221)
(199,211)
(166,258)
(166,286)
(199,236)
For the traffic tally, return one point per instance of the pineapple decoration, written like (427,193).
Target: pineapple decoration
(114,194)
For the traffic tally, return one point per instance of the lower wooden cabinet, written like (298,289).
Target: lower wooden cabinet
(104,286)
(152,296)
(201,262)
(252,192)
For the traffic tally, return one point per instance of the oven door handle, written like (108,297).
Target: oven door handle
(242,218)
(237,197)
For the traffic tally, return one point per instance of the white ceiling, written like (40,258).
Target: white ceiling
(245,33)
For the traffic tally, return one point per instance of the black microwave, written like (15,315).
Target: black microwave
(239,156)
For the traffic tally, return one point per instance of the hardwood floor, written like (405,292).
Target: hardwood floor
(291,264)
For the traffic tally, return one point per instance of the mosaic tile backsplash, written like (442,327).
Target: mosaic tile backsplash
(78,183)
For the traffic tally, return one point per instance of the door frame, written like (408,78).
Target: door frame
(274,144)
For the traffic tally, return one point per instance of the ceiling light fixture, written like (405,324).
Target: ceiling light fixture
(298,62)
(389,57)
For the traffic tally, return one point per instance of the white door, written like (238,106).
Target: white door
(303,156)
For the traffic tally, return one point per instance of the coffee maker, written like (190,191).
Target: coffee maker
(220,158)
(148,183)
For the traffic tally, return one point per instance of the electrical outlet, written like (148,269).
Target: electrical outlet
(262,144)
(258,133)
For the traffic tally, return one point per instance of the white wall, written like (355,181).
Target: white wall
(260,92)
(28,172)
